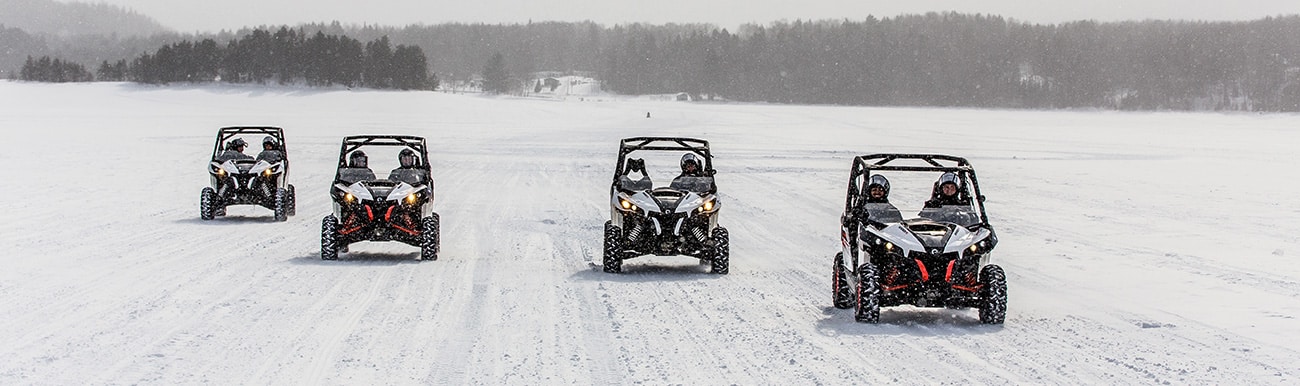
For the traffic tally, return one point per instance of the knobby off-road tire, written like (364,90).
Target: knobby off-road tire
(292,208)
(281,205)
(993,297)
(868,296)
(429,237)
(613,257)
(329,231)
(207,201)
(721,251)
(841,292)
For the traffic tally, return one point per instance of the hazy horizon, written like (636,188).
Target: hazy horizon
(235,14)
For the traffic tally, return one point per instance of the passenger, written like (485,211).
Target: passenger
(878,189)
(234,151)
(947,192)
(358,168)
(358,160)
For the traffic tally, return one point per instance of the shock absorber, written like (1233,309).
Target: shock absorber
(635,232)
(699,233)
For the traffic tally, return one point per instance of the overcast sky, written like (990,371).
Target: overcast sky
(213,15)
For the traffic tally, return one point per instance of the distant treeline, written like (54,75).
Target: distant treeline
(261,57)
(285,56)
(937,59)
(46,69)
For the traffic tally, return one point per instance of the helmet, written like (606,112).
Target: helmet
(690,164)
(947,178)
(358,159)
(270,141)
(237,142)
(407,158)
(878,180)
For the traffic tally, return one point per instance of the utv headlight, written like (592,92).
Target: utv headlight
(627,205)
(708,206)
(889,247)
(974,248)
(349,198)
(410,199)
(221,172)
(266,173)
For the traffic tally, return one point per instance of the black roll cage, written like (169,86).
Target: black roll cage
(352,143)
(865,164)
(628,145)
(226,133)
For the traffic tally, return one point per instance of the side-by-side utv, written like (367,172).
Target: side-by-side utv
(679,218)
(241,179)
(398,207)
(939,258)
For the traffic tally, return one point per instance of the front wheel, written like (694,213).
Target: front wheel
(613,257)
(429,237)
(721,251)
(868,297)
(207,203)
(993,297)
(292,208)
(281,204)
(329,233)
(841,293)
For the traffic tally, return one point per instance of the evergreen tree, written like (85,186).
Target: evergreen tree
(495,78)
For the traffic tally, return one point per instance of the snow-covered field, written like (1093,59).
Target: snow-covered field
(1141,248)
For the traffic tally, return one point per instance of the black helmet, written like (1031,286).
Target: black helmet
(358,159)
(270,141)
(878,180)
(690,164)
(407,158)
(237,142)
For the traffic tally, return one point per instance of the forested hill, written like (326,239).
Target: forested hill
(67,19)
(935,59)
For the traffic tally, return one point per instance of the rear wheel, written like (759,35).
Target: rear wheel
(840,290)
(613,258)
(281,204)
(721,251)
(429,237)
(993,297)
(207,201)
(329,232)
(868,296)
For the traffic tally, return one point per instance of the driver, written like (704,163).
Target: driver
(407,171)
(946,192)
(690,168)
(270,150)
(234,150)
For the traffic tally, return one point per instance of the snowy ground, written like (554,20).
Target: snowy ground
(1139,247)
